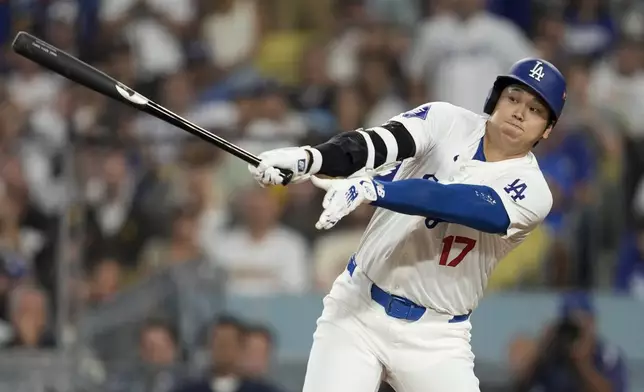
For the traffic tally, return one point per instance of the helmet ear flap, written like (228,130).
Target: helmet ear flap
(492,99)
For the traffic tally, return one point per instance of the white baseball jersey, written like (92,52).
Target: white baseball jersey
(439,265)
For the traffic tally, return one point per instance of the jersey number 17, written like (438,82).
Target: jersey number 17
(450,241)
(448,244)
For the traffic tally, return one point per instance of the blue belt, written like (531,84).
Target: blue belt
(396,306)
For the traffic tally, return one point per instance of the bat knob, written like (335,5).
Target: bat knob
(287,176)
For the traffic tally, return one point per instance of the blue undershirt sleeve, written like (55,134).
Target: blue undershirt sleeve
(475,206)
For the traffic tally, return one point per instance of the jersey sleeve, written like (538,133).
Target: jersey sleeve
(527,200)
(406,135)
(426,123)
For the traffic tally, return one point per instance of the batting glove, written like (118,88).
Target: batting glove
(343,196)
(302,161)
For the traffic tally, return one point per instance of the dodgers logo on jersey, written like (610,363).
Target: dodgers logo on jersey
(420,112)
(536,72)
(516,189)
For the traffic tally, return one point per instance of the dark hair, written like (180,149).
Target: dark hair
(340,6)
(184,211)
(229,321)
(263,331)
(572,7)
(158,323)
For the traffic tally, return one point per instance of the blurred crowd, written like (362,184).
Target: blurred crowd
(97,198)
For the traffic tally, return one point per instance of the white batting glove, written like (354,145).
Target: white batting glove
(295,159)
(343,196)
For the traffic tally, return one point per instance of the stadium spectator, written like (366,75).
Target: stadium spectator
(569,355)
(258,350)
(106,279)
(154,28)
(615,88)
(590,28)
(30,315)
(629,274)
(269,258)
(225,375)
(158,368)
(182,246)
(456,56)
(114,217)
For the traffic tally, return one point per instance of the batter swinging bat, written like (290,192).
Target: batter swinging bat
(76,70)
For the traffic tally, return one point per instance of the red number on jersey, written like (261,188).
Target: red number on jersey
(448,242)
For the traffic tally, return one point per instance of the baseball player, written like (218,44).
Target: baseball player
(467,191)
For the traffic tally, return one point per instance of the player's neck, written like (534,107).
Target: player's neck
(259,232)
(494,151)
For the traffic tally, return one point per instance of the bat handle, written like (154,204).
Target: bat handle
(287,176)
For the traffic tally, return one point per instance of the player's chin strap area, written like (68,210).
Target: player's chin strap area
(396,306)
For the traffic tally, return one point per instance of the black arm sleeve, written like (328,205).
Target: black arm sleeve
(349,152)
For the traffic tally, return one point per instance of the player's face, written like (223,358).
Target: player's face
(521,118)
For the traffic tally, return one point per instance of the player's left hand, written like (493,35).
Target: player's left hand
(342,197)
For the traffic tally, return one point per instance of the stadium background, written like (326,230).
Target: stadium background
(123,241)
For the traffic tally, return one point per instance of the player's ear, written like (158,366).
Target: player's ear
(546,133)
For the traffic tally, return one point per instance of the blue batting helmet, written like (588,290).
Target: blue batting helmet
(538,76)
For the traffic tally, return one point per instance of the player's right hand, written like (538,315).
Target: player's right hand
(343,196)
(295,159)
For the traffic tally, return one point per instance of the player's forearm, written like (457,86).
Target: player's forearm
(475,206)
(351,151)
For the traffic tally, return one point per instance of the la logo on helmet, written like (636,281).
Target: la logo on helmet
(536,72)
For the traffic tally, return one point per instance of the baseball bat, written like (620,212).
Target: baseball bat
(82,73)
